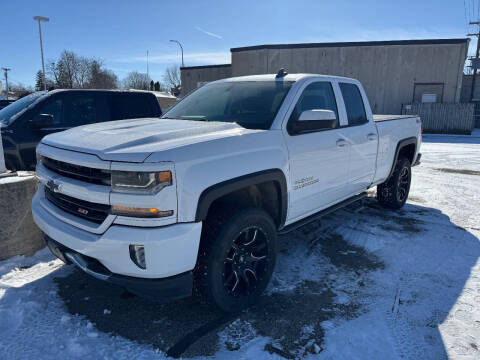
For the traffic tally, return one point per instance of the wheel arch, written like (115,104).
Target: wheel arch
(406,146)
(220,190)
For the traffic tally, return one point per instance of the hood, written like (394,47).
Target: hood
(136,139)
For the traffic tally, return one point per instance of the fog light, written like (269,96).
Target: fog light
(137,254)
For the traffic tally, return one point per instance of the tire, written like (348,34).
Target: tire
(236,259)
(393,193)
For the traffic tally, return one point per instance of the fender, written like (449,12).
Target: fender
(400,145)
(214,192)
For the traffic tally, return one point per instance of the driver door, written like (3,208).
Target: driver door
(319,161)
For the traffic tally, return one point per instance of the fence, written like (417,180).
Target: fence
(444,118)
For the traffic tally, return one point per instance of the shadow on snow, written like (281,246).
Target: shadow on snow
(337,285)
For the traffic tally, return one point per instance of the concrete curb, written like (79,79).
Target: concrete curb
(18,233)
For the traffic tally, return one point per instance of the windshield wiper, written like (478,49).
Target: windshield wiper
(194,117)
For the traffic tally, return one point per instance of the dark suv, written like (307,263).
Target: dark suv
(26,121)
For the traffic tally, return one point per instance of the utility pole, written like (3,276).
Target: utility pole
(477,53)
(147,64)
(40,19)
(6,70)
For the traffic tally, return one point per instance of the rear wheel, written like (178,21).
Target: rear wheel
(394,193)
(236,259)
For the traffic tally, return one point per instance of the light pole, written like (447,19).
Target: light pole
(181,48)
(42,19)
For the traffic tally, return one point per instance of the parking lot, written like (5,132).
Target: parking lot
(361,284)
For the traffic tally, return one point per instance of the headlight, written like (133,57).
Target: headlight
(137,182)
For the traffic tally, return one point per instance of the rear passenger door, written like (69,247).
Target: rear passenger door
(318,160)
(361,133)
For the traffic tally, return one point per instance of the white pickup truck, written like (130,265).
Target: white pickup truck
(193,202)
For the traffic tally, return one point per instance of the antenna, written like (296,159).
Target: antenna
(281,73)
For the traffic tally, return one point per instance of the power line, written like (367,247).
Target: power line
(465,13)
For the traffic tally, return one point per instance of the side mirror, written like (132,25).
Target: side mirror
(42,121)
(314,120)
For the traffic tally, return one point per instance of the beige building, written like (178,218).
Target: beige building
(393,72)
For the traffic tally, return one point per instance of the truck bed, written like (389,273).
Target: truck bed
(378,118)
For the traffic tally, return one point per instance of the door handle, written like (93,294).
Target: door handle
(372,137)
(341,143)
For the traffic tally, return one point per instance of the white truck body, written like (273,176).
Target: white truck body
(319,169)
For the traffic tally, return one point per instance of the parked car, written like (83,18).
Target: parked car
(26,121)
(4,103)
(194,203)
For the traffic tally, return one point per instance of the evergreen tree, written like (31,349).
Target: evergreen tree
(39,82)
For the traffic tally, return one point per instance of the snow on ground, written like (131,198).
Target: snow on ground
(368,284)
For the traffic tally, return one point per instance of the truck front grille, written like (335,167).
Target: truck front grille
(96,213)
(83,173)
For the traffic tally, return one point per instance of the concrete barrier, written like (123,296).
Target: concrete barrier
(18,233)
(2,157)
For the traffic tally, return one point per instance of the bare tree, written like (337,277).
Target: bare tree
(19,90)
(137,80)
(82,71)
(72,71)
(171,78)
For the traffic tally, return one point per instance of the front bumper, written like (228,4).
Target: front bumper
(169,250)
(166,289)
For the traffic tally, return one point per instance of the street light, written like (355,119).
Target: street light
(42,19)
(181,48)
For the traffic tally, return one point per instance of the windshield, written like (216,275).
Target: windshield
(16,107)
(251,104)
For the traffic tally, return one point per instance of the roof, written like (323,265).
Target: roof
(272,77)
(205,66)
(98,90)
(357,43)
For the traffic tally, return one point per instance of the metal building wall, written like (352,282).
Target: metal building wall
(387,69)
(191,76)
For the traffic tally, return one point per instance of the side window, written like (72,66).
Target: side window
(79,109)
(130,106)
(317,95)
(53,108)
(354,104)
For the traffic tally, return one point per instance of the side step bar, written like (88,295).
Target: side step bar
(322,213)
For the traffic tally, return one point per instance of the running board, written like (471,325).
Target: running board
(322,213)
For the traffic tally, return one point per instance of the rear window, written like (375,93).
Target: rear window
(132,106)
(353,104)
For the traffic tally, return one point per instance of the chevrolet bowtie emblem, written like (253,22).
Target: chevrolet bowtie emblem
(53,186)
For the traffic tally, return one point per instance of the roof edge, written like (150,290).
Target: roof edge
(205,66)
(356,43)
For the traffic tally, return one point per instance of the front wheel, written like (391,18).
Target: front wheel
(394,193)
(236,259)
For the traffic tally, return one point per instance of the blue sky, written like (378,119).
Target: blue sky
(120,32)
